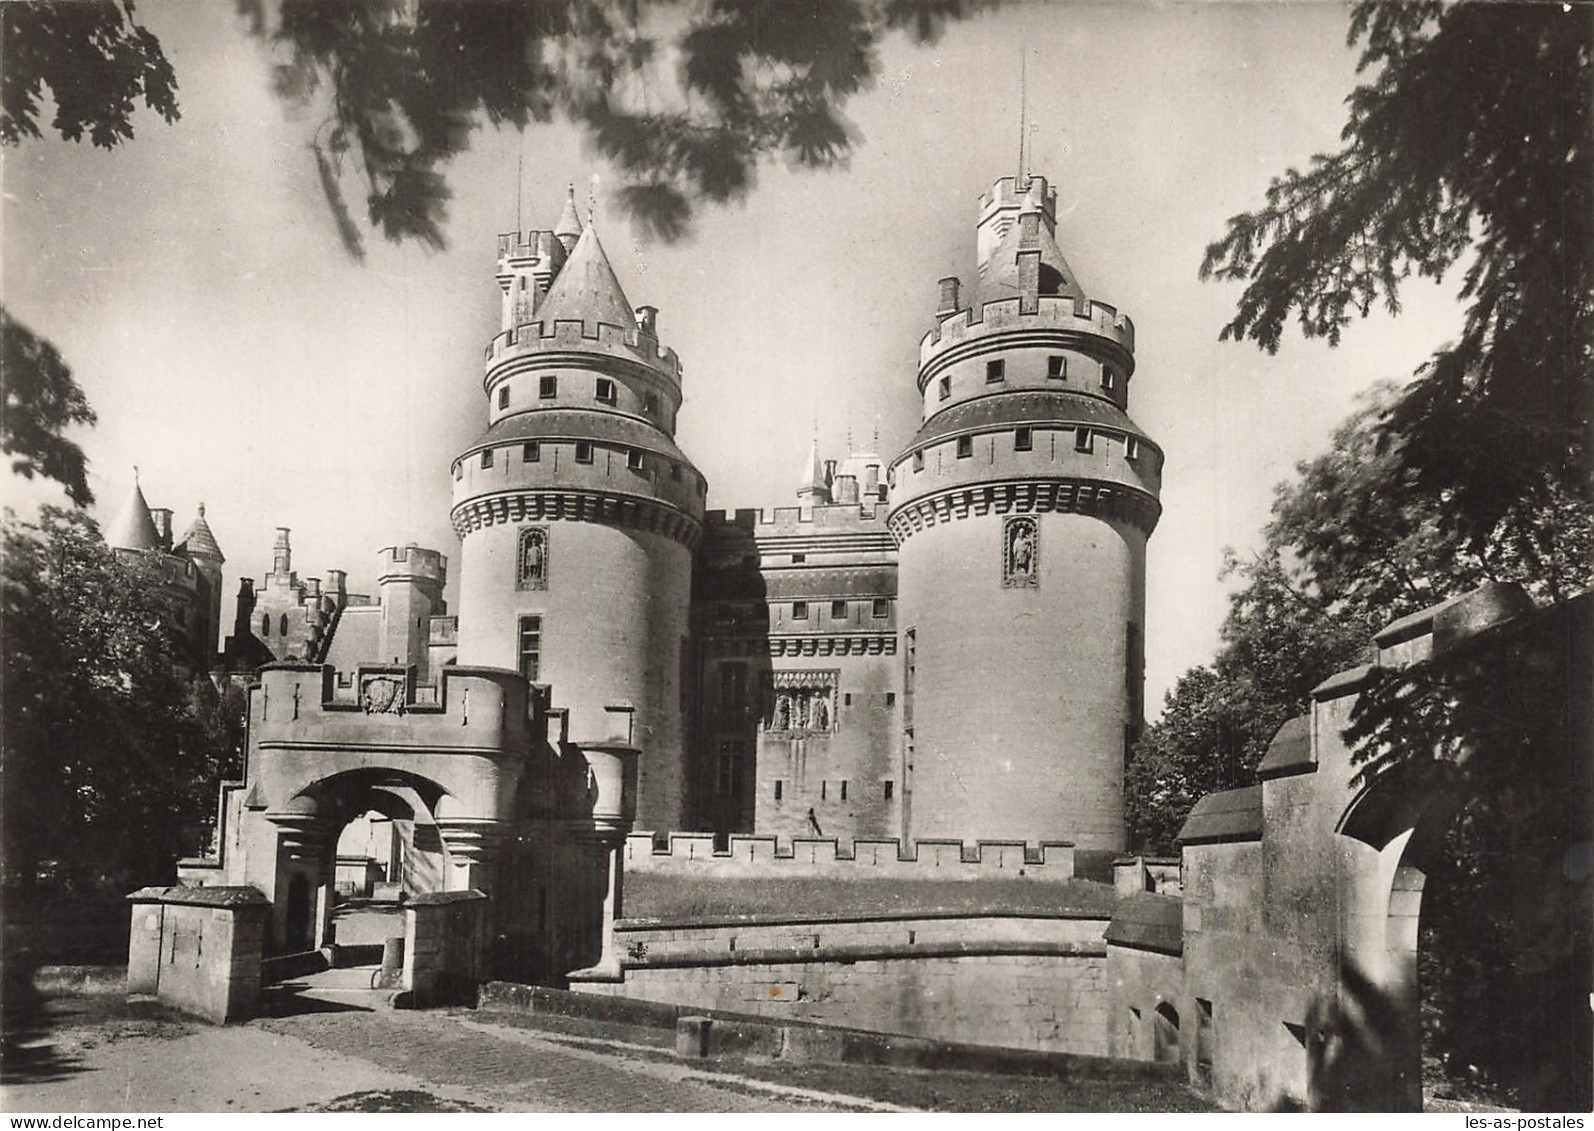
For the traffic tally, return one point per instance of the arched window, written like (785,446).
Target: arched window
(282,625)
(265,625)
(1165,1034)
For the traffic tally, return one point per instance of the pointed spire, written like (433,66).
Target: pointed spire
(199,542)
(134,528)
(568,230)
(811,486)
(586,289)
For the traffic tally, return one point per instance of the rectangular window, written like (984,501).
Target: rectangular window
(606,390)
(530,647)
(650,404)
(633,459)
(846,700)
(532,452)
(487,458)
(798,559)
(838,610)
(799,610)
(945,388)
(779,788)
(1107,377)
(459,471)
(1057,368)
(881,608)
(891,699)
(1131,447)
(824,790)
(503,396)
(548,386)
(891,788)
(1082,440)
(1023,440)
(844,790)
(965,447)
(675,472)
(918,461)
(583,451)
(994,371)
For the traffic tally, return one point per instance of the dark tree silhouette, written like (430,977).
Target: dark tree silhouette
(41,400)
(685,102)
(95,60)
(1468,144)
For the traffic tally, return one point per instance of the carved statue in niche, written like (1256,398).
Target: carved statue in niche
(531,562)
(1020,552)
(781,720)
(819,713)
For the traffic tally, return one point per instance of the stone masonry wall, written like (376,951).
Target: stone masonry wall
(1032,982)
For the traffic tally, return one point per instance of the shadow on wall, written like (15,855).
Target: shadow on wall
(1352,1061)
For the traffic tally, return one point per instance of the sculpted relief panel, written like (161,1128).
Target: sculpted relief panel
(801,702)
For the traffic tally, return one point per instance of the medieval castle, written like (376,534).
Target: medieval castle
(928,669)
(798,673)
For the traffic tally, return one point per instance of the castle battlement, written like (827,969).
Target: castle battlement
(1078,316)
(1007,193)
(587,337)
(411,562)
(840,517)
(467,708)
(693,854)
(531,244)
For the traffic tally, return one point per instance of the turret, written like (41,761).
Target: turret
(134,528)
(1022,507)
(579,515)
(282,554)
(199,545)
(410,582)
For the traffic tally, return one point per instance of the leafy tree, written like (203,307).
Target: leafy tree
(685,103)
(41,400)
(1467,144)
(96,61)
(105,770)
(1352,545)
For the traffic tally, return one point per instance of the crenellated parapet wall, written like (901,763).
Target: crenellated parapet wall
(694,854)
(538,342)
(1060,320)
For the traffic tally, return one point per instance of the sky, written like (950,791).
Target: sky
(194,282)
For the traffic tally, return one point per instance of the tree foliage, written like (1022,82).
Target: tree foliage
(41,401)
(1352,545)
(96,61)
(1468,143)
(106,770)
(684,102)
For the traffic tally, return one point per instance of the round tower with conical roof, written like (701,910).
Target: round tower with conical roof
(1022,507)
(579,515)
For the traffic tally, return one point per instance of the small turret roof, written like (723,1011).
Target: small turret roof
(586,289)
(134,529)
(811,480)
(199,541)
(569,221)
(999,278)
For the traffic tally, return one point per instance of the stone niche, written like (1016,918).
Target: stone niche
(801,702)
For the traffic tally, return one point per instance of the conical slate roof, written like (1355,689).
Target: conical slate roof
(586,289)
(812,481)
(569,222)
(1000,276)
(199,541)
(134,529)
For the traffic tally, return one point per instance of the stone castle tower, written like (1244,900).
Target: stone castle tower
(579,516)
(1022,507)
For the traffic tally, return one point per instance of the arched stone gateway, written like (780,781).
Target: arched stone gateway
(475,787)
(1295,944)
